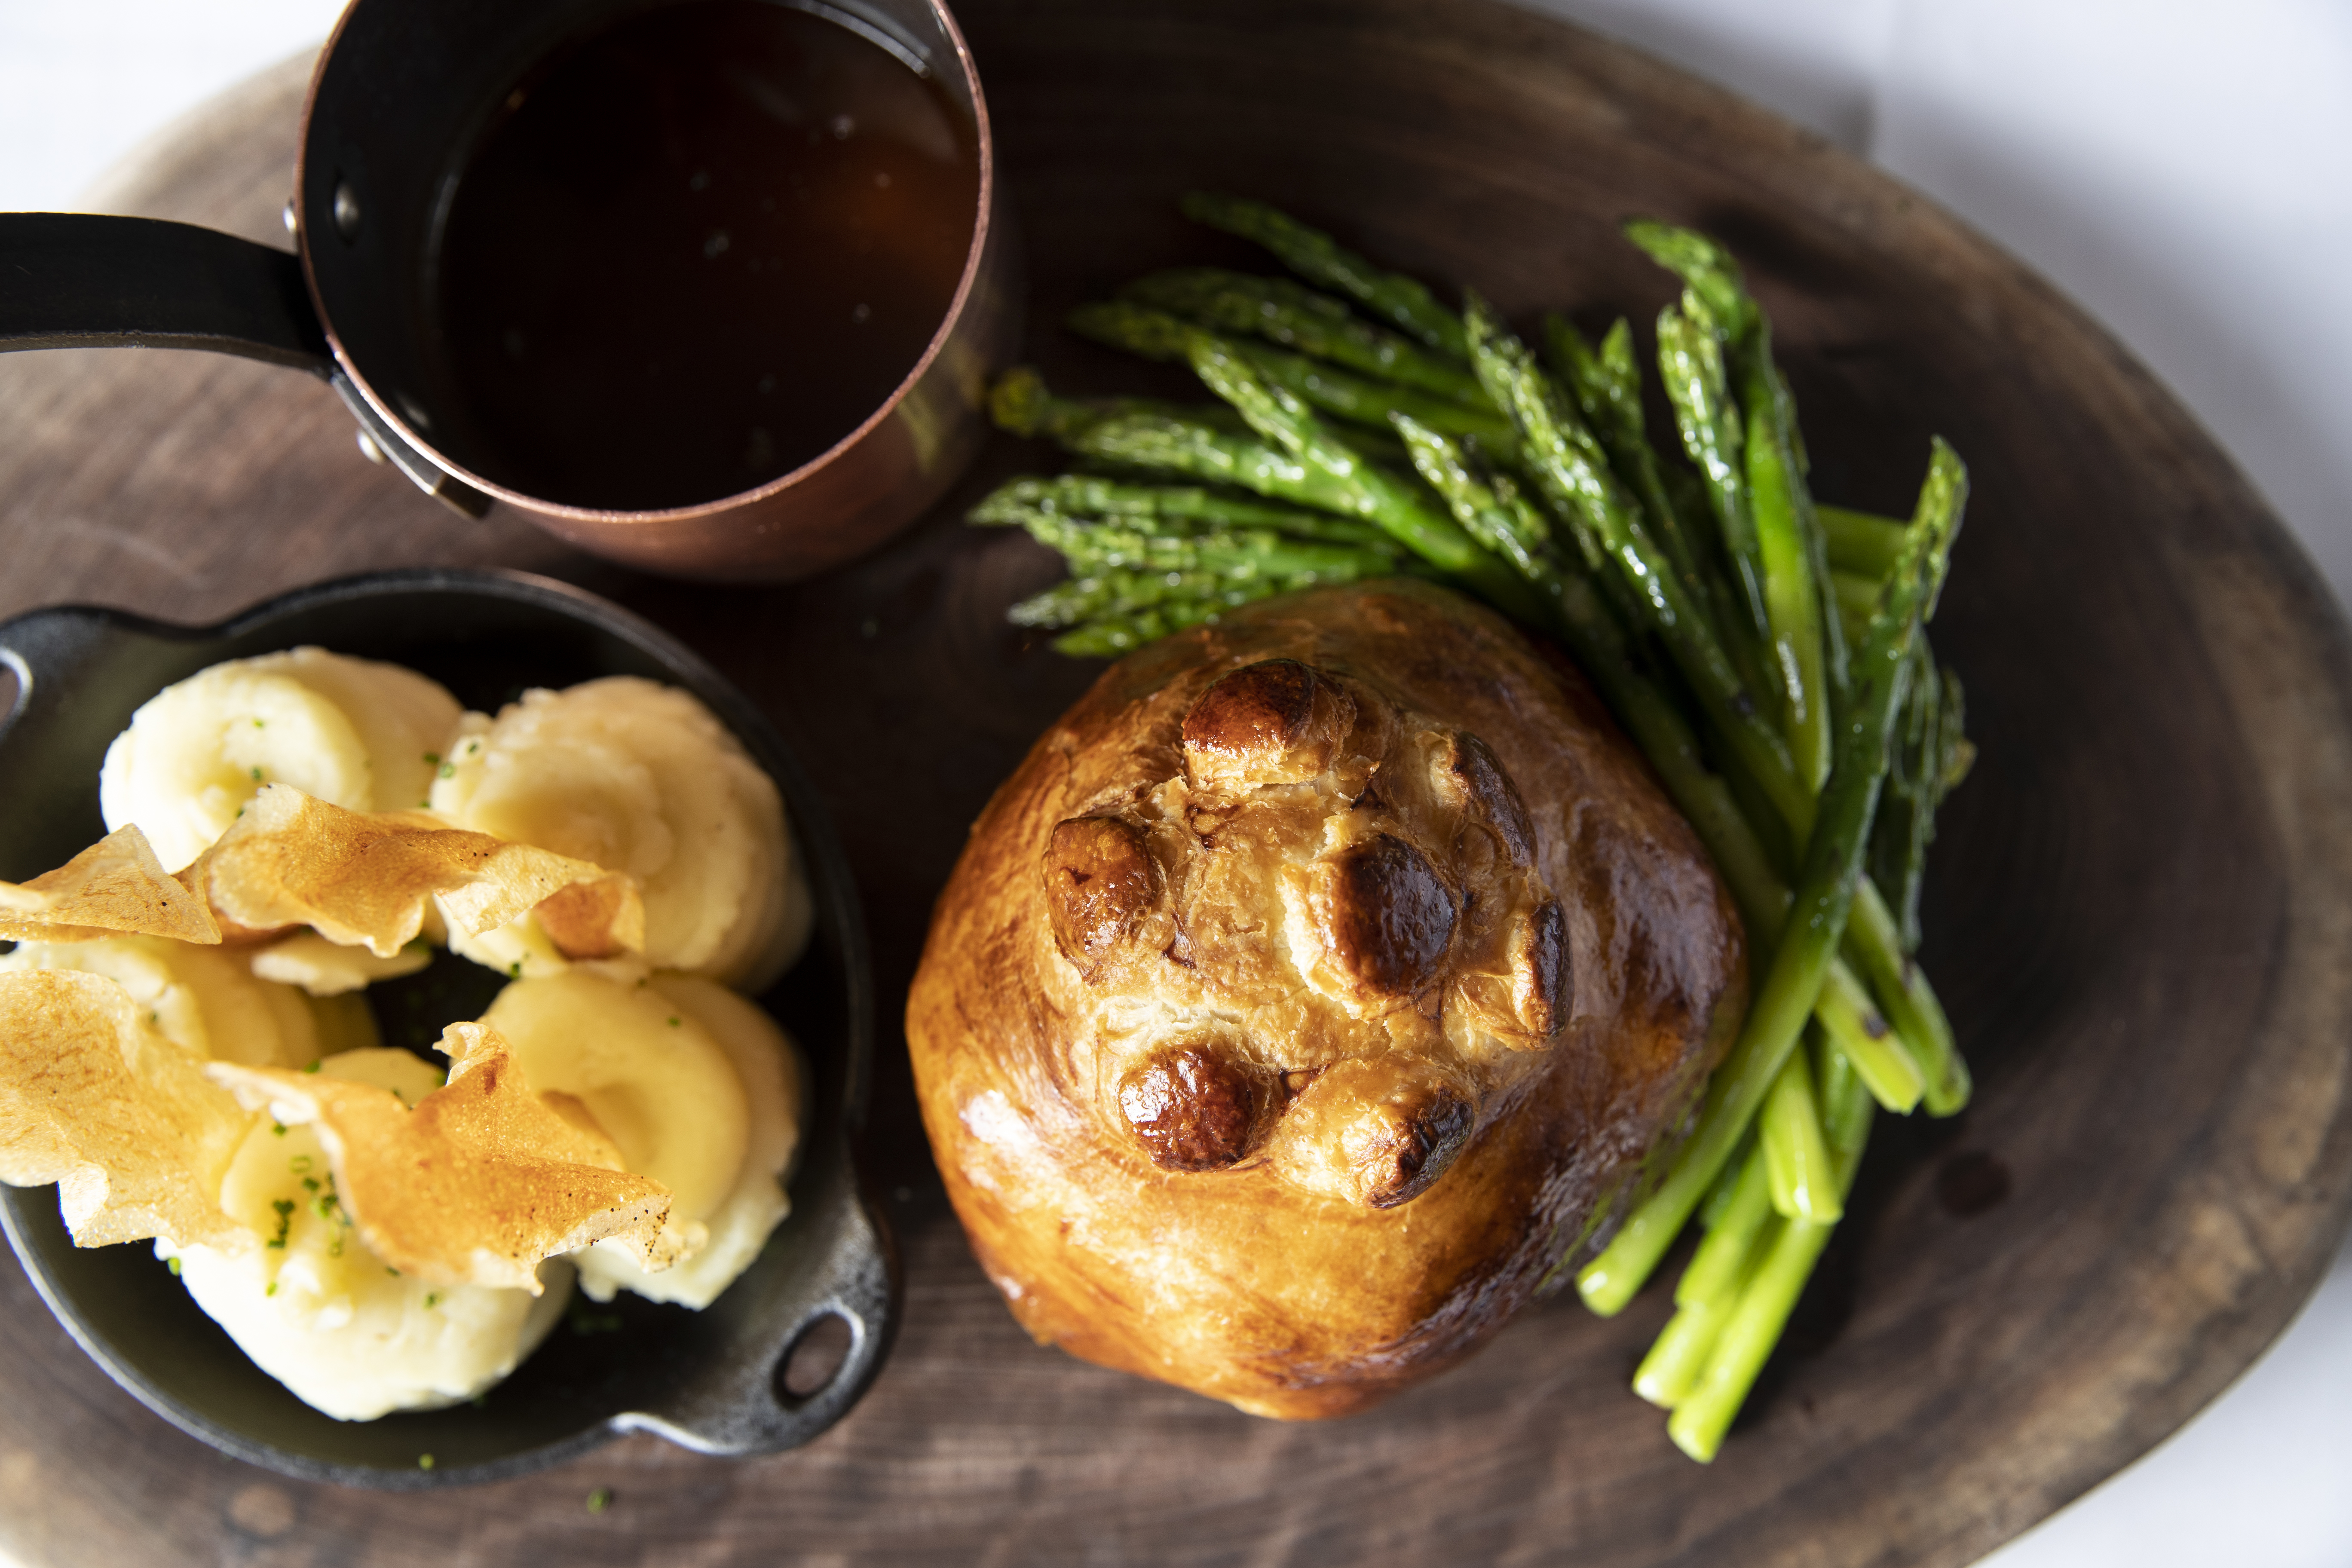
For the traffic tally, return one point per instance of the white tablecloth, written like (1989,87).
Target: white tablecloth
(2183,170)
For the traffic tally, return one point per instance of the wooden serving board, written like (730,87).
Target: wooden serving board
(2139,919)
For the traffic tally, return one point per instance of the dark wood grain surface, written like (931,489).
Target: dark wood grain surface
(2140,916)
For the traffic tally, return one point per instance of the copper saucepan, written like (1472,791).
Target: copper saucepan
(400,98)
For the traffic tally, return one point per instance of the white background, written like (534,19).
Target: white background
(2184,170)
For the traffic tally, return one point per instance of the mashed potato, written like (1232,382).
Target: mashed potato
(313,1307)
(350,731)
(641,778)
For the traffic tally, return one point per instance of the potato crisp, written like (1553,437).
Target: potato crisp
(480,1182)
(362,879)
(115,887)
(121,1119)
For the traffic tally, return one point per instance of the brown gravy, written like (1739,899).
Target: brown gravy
(694,250)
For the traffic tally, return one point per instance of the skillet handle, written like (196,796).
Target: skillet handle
(848,1270)
(80,280)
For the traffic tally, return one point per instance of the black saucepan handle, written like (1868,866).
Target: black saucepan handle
(82,280)
(78,280)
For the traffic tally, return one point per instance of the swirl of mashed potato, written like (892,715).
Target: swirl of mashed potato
(699,1090)
(344,1331)
(354,732)
(640,778)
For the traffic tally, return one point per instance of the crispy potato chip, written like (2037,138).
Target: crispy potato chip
(121,1119)
(477,1184)
(362,879)
(595,919)
(115,887)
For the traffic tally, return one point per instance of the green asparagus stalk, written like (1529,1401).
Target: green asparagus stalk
(1113,635)
(1874,946)
(1020,402)
(1860,542)
(1932,755)
(1888,1066)
(1360,488)
(1791,550)
(1709,1290)
(1796,1157)
(1155,334)
(1184,443)
(1235,302)
(1792,596)
(1776,1278)
(1241,553)
(1690,363)
(1391,297)
(1575,476)
(1707,269)
(1180,509)
(1111,593)
(1608,389)
(1825,893)
(1402,302)
(1715,1266)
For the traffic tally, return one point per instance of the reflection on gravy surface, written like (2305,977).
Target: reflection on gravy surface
(696,248)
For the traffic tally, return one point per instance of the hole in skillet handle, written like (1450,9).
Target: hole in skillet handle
(817,1355)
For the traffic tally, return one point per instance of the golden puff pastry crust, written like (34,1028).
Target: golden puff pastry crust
(1307,992)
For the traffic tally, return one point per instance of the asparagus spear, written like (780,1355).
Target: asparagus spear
(1860,541)
(1796,1158)
(1355,486)
(1690,363)
(1826,889)
(1705,269)
(1215,446)
(1932,755)
(1607,389)
(1782,1261)
(1235,302)
(1709,1290)
(1873,945)
(1020,402)
(1109,592)
(1155,334)
(1178,509)
(1232,553)
(1793,594)
(1884,1058)
(1574,474)
(1402,302)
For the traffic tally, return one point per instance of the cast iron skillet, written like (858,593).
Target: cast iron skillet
(712,1381)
